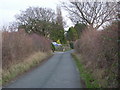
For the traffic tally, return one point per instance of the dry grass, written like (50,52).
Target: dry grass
(0,76)
(21,67)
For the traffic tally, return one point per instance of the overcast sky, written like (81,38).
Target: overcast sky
(9,8)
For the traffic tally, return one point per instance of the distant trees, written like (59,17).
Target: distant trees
(57,32)
(59,18)
(94,14)
(79,27)
(58,35)
(36,19)
(43,21)
(75,32)
(72,34)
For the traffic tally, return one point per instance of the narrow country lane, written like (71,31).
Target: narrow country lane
(59,71)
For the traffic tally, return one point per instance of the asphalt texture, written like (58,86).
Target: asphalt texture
(60,71)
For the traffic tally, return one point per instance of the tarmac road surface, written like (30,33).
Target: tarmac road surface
(59,71)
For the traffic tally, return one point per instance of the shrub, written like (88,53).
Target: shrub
(52,47)
(99,50)
(71,45)
(18,45)
(58,48)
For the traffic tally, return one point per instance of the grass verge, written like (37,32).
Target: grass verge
(85,74)
(0,76)
(24,66)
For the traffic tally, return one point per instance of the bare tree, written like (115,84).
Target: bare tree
(11,27)
(36,19)
(59,18)
(94,14)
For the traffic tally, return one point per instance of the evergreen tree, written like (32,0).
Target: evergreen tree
(79,27)
(57,32)
(72,34)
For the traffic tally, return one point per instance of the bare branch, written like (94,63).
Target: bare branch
(93,13)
